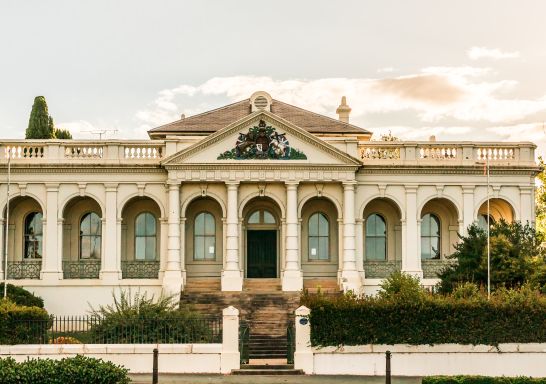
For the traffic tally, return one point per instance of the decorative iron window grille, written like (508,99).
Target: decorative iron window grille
(28,269)
(82,269)
(140,269)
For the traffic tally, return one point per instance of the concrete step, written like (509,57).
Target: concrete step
(269,372)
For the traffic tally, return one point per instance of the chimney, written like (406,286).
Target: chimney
(343,110)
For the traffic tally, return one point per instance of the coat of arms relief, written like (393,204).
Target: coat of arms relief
(262,142)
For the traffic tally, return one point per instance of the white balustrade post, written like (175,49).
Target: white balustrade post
(232,279)
(411,257)
(350,279)
(292,278)
(230,357)
(303,355)
(50,263)
(172,277)
(468,207)
(110,268)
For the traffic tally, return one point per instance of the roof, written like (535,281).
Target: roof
(212,121)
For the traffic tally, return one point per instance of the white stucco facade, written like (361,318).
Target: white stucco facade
(175,177)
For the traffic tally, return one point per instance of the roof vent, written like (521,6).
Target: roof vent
(260,101)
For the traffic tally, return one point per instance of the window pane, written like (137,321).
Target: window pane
(313,225)
(140,248)
(323,248)
(150,247)
(150,224)
(85,225)
(313,248)
(199,248)
(210,247)
(370,225)
(381,248)
(200,224)
(425,248)
(371,253)
(434,226)
(425,225)
(268,218)
(210,225)
(323,225)
(254,218)
(85,247)
(95,247)
(95,224)
(435,248)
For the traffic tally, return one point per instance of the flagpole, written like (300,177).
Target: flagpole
(488,237)
(6,224)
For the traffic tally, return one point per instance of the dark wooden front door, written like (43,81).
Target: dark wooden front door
(261,253)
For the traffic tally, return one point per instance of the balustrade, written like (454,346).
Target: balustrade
(139,269)
(81,269)
(378,269)
(25,269)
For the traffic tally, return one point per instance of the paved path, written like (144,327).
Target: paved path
(242,379)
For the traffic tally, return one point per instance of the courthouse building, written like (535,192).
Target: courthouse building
(258,189)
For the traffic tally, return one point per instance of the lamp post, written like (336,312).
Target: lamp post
(8,152)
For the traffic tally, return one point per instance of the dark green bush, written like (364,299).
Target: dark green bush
(481,380)
(511,316)
(140,319)
(74,370)
(21,296)
(22,325)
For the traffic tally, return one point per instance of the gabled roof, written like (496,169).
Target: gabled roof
(211,121)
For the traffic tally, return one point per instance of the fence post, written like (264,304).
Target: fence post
(230,358)
(388,367)
(155,374)
(303,356)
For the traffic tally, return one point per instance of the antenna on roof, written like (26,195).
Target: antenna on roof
(101,132)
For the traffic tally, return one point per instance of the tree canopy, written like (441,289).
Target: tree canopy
(516,252)
(41,125)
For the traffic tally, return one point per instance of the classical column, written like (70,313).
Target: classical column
(292,278)
(50,261)
(359,238)
(232,279)
(172,277)
(183,247)
(468,207)
(411,257)
(526,212)
(163,245)
(350,279)
(110,268)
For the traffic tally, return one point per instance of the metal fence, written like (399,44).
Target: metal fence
(99,330)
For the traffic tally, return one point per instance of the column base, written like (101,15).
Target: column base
(172,283)
(51,276)
(350,281)
(415,273)
(110,277)
(232,281)
(292,281)
(304,361)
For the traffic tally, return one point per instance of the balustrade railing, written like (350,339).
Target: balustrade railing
(81,269)
(139,269)
(432,268)
(25,269)
(381,268)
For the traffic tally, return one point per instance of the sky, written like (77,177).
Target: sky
(458,70)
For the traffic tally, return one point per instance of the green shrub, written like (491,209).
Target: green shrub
(140,319)
(481,380)
(401,286)
(74,370)
(21,296)
(22,325)
(509,317)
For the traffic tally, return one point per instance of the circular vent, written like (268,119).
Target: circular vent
(260,102)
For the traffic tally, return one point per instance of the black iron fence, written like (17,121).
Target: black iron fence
(97,330)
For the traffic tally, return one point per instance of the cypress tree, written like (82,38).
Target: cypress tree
(40,124)
(63,134)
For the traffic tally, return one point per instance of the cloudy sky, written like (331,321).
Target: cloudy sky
(460,70)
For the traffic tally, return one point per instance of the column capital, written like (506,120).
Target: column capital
(411,188)
(232,183)
(526,189)
(291,183)
(349,183)
(111,187)
(51,187)
(172,184)
(467,189)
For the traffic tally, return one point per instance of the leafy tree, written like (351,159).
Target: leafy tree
(517,257)
(41,125)
(540,199)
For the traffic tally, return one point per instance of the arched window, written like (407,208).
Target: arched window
(482,221)
(33,236)
(90,236)
(319,237)
(204,237)
(430,237)
(145,237)
(261,217)
(376,237)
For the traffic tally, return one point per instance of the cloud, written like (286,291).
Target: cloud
(477,53)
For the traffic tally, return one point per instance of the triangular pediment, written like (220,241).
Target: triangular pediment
(261,137)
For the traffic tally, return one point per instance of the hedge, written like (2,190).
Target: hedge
(432,320)
(22,297)
(481,380)
(22,325)
(74,370)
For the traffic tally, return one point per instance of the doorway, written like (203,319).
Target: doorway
(261,253)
